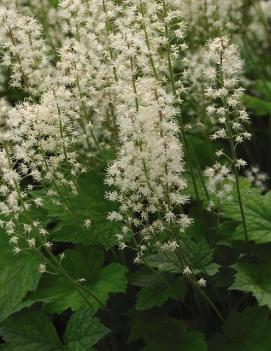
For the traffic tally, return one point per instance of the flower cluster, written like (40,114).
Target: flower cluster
(224,95)
(220,183)
(24,232)
(44,138)
(257,178)
(206,18)
(37,146)
(86,63)
(46,13)
(24,51)
(148,173)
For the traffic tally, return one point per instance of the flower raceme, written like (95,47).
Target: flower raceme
(45,136)
(86,62)
(147,174)
(222,71)
(38,144)
(206,18)
(223,68)
(24,51)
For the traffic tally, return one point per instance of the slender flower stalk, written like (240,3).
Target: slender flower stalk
(223,65)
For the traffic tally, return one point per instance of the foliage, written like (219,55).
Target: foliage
(18,276)
(33,331)
(244,331)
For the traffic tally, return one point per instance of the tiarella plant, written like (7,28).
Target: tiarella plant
(135,175)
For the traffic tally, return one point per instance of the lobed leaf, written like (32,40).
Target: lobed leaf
(254,278)
(83,331)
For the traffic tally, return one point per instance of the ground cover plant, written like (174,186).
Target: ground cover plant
(135,162)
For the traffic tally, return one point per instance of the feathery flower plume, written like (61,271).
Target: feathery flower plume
(223,65)
(24,51)
(45,137)
(147,173)
(86,64)
(206,18)
(224,95)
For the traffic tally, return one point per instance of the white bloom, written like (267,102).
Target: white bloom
(220,181)
(240,163)
(257,178)
(31,242)
(38,202)
(202,282)
(25,51)
(42,268)
(187,271)
(87,223)
(16,250)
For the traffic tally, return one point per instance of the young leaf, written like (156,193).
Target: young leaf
(83,331)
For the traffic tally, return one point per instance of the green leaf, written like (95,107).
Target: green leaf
(254,278)
(18,275)
(198,253)
(157,293)
(163,333)
(83,331)
(196,250)
(59,294)
(263,88)
(201,151)
(162,263)
(91,204)
(258,216)
(258,106)
(245,331)
(30,331)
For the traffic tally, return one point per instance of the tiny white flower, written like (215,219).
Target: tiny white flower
(31,242)
(202,282)
(87,223)
(48,244)
(38,202)
(240,163)
(42,268)
(16,250)
(187,271)
(219,153)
